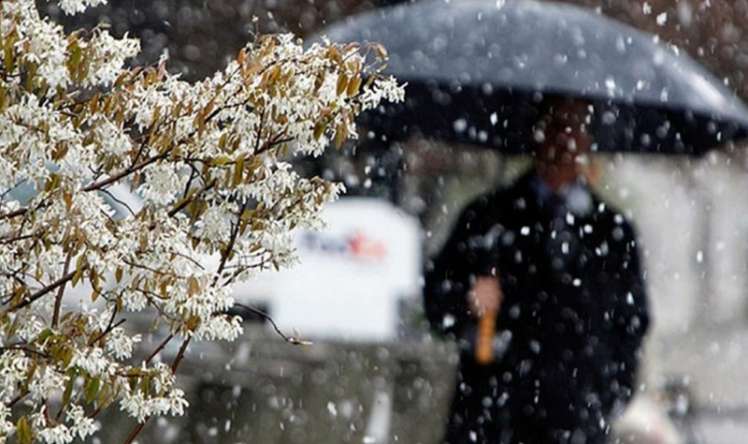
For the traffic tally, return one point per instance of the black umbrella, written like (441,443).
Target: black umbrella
(476,70)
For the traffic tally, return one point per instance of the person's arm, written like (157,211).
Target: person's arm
(631,316)
(451,275)
(447,281)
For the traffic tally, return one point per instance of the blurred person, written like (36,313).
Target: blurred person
(542,286)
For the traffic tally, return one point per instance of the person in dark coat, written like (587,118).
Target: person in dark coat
(560,269)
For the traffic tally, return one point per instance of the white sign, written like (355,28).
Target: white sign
(351,276)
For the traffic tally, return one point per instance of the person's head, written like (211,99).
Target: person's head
(563,142)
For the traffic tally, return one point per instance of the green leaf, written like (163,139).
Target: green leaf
(23,431)
(353,86)
(238,171)
(66,356)
(68,393)
(221,160)
(80,266)
(342,85)
(52,183)
(341,135)
(92,389)
(319,129)
(3,98)
(44,335)
(145,385)
(74,61)
(9,61)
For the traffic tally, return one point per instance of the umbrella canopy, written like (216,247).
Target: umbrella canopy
(476,71)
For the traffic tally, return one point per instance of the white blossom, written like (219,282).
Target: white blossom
(48,382)
(59,434)
(77,6)
(220,328)
(6,426)
(81,424)
(120,345)
(91,360)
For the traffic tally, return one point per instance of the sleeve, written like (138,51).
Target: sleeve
(631,315)
(449,275)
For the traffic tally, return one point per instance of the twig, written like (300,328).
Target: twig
(159,348)
(189,200)
(119,201)
(12,214)
(15,400)
(136,431)
(108,330)
(61,291)
(180,354)
(112,179)
(10,240)
(193,174)
(194,262)
(265,316)
(232,240)
(153,270)
(44,291)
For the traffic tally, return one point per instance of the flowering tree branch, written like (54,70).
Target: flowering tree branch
(42,292)
(204,171)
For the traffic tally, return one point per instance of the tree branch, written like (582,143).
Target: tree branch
(61,291)
(112,179)
(15,400)
(108,329)
(41,293)
(119,201)
(189,200)
(265,316)
(159,348)
(232,240)
(180,354)
(136,431)
(11,239)
(12,214)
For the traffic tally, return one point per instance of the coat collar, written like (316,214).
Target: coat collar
(532,193)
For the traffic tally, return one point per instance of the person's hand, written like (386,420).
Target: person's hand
(485,296)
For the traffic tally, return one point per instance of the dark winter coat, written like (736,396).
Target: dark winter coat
(571,322)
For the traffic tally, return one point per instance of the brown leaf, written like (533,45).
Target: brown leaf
(353,86)
(342,83)
(193,286)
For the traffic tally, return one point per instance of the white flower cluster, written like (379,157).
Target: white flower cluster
(170,401)
(49,49)
(129,189)
(77,6)
(77,424)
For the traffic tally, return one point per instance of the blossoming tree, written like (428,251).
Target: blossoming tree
(220,201)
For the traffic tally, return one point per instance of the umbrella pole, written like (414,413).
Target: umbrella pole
(484,353)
